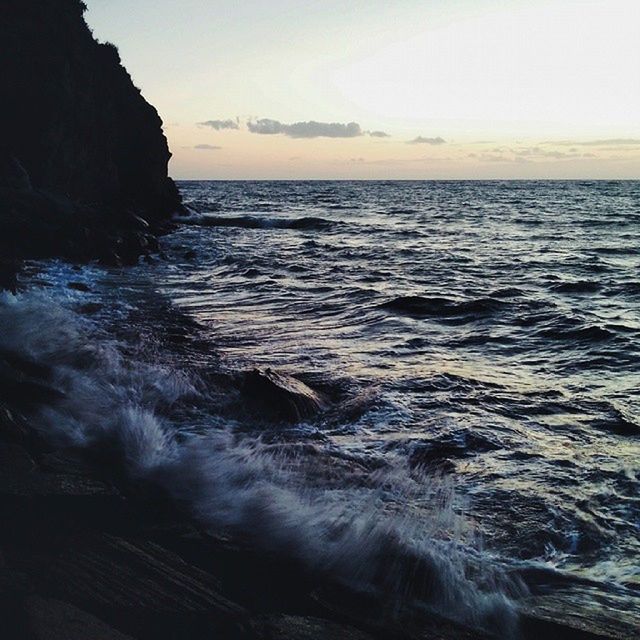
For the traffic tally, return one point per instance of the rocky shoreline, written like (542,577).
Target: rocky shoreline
(83,158)
(88,551)
(85,550)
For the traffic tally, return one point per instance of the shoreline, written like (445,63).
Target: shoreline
(111,541)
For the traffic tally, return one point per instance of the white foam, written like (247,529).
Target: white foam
(392,532)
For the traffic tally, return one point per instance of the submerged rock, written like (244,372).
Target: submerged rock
(79,286)
(279,397)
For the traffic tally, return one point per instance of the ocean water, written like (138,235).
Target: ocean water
(480,342)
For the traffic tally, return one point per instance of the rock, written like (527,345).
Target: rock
(79,286)
(23,383)
(12,426)
(148,589)
(308,628)
(9,268)
(49,619)
(111,259)
(438,457)
(21,476)
(90,308)
(76,122)
(279,397)
(138,222)
(83,158)
(135,573)
(66,461)
(13,175)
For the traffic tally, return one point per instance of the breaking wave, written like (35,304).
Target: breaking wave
(307,223)
(360,532)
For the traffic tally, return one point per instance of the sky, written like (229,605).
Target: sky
(372,89)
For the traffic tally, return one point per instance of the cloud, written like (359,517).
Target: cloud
(378,134)
(218,125)
(311,129)
(494,157)
(528,155)
(537,152)
(423,140)
(207,147)
(612,142)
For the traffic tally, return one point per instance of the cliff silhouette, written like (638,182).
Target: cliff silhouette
(83,158)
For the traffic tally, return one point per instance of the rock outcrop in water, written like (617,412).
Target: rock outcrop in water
(83,159)
(282,398)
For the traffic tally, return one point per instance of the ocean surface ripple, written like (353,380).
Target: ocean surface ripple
(478,336)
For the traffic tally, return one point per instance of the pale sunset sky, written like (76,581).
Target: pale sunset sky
(371,89)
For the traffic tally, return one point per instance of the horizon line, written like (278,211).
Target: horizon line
(406,179)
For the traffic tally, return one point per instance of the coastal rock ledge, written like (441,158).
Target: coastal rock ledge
(83,158)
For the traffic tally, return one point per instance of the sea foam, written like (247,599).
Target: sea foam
(363,534)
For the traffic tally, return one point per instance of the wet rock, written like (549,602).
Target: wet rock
(13,428)
(21,476)
(138,222)
(148,590)
(111,259)
(437,456)
(9,268)
(13,175)
(79,286)
(124,572)
(90,308)
(24,383)
(49,619)
(275,396)
(66,461)
(308,628)
(13,582)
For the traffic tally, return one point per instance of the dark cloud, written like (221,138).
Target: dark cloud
(207,147)
(423,140)
(378,134)
(311,129)
(218,125)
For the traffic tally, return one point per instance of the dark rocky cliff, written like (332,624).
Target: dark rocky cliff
(81,152)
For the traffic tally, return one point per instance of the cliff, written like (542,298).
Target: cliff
(83,159)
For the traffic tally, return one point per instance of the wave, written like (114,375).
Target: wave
(581,286)
(440,307)
(631,288)
(590,333)
(507,292)
(307,223)
(233,481)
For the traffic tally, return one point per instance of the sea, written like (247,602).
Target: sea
(480,346)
